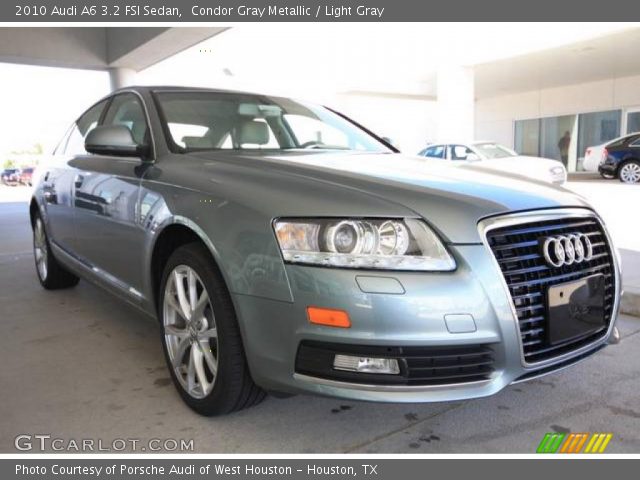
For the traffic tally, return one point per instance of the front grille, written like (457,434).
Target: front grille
(418,365)
(517,249)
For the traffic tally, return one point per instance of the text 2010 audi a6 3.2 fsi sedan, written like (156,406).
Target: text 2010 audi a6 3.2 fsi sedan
(285,248)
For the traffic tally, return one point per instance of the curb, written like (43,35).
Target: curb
(630,302)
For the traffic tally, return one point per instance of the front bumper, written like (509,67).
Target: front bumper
(411,317)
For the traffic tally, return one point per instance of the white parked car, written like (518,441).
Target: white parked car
(497,157)
(596,155)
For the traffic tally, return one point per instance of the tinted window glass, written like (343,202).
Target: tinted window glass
(80,129)
(436,151)
(126,109)
(460,152)
(635,141)
(621,141)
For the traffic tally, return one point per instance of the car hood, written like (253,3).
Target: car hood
(452,199)
(527,159)
(523,164)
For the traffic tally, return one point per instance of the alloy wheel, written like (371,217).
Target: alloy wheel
(630,173)
(190,331)
(40,249)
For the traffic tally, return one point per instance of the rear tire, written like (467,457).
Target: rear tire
(51,273)
(607,176)
(200,336)
(630,172)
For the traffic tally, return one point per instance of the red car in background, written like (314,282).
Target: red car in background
(26,176)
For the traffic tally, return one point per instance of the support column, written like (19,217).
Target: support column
(456,103)
(121,77)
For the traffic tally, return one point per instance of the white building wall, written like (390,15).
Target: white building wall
(410,123)
(495,115)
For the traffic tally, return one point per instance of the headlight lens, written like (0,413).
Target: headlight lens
(385,244)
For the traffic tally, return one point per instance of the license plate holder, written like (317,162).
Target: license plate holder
(575,309)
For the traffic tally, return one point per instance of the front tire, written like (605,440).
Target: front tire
(200,336)
(630,172)
(607,176)
(51,274)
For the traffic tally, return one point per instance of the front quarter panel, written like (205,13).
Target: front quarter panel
(238,237)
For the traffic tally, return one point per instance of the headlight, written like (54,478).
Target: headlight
(385,244)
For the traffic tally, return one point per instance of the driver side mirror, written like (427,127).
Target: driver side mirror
(472,157)
(116,140)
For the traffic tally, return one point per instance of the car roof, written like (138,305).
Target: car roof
(176,88)
(450,142)
(621,137)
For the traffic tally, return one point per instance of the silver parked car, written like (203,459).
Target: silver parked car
(285,248)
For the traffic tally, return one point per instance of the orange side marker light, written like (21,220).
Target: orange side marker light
(328,317)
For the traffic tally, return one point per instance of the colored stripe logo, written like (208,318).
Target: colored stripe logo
(574,443)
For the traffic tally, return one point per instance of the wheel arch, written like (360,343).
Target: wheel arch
(624,161)
(34,209)
(180,231)
(627,159)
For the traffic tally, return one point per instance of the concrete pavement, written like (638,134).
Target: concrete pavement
(79,364)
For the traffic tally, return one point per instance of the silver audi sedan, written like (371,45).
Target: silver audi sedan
(285,248)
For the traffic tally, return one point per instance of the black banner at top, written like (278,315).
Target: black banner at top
(108,11)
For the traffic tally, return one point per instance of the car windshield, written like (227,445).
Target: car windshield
(200,121)
(491,151)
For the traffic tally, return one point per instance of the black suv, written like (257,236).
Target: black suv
(622,159)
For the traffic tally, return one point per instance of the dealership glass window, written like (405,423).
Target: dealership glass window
(633,122)
(566,137)
(527,137)
(597,128)
(556,135)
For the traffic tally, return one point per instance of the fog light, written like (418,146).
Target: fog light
(387,366)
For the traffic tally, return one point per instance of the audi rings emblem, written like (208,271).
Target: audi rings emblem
(567,249)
